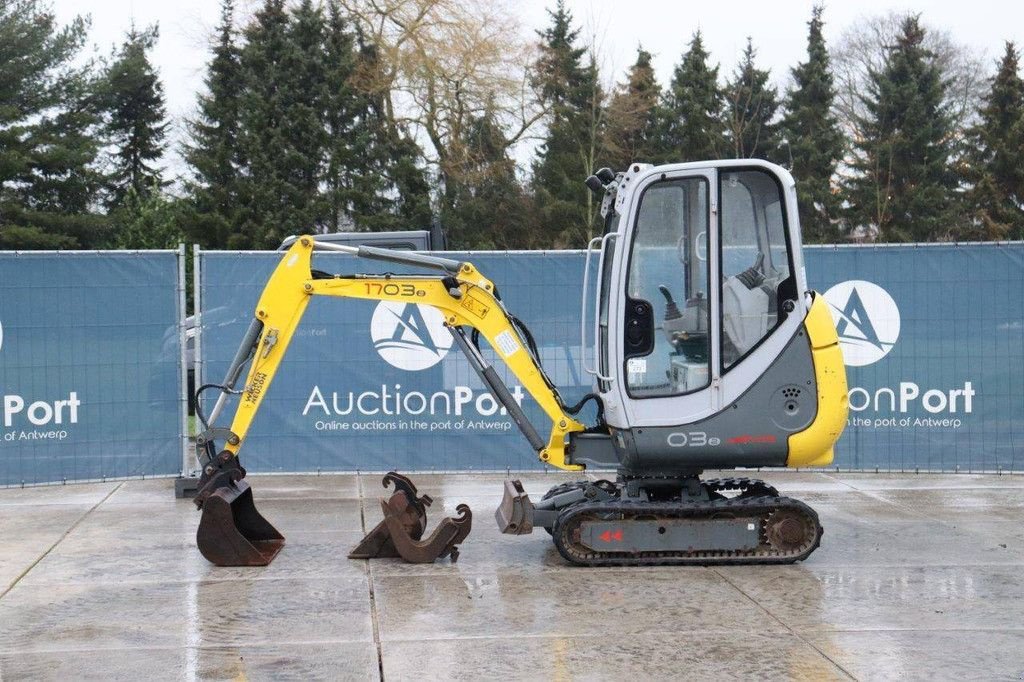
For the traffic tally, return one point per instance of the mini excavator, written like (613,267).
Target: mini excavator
(707,348)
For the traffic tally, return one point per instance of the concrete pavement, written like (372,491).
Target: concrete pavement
(918,577)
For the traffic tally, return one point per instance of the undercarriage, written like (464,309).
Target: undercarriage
(666,520)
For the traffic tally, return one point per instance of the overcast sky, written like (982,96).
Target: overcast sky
(663,27)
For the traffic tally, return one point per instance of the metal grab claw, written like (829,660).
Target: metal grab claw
(442,542)
(411,509)
(405,521)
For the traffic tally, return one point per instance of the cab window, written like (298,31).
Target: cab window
(756,272)
(668,276)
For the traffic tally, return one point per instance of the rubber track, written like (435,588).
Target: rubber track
(756,509)
(746,486)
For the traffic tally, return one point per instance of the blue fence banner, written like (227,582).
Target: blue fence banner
(90,366)
(933,337)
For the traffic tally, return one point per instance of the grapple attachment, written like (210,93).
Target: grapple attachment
(405,521)
(232,533)
(411,510)
(444,541)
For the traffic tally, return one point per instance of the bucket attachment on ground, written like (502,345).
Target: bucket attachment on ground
(442,542)
(409,506)
(405,521)
(231,531)
(515,513)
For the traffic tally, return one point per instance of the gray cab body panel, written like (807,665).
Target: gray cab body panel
(753,431)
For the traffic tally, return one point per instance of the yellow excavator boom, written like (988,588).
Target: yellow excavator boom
(466,299)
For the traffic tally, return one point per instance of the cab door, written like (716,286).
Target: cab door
(662,343)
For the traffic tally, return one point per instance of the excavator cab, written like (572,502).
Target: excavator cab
(708,352)
(702,361)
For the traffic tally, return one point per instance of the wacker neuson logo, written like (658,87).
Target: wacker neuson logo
(409,336)
(867,321)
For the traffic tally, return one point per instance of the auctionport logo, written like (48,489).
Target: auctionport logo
(409,336)
(867,321)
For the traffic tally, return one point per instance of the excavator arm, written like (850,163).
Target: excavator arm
(465,298)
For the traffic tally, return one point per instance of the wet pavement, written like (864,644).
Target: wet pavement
(918,577)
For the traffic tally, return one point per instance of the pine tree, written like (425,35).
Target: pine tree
(994,164)
(151,220)
(489,211)
(212,151)
(288,142)
(48,133)
(389,187)
(815,143)
(633,115)
(570,89)
(304,129)
(136,122)
(904,184)
(751,106)
(342,105)
(693,127)
(266,192)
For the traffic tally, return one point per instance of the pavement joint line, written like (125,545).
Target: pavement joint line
(704,631)
(319,578)
(495,569)
(875,495)
(783,624)
(186,647)
(374,618)
(840,482)
(60,540)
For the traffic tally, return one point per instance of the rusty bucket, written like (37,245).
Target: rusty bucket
(232,533)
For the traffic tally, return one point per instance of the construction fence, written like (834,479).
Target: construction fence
(933,336)
(91,365)
(95,353)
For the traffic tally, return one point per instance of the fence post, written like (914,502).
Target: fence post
(183,361)
(197,313)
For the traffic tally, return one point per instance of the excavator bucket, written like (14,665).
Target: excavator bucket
(232,533)
(405,521)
